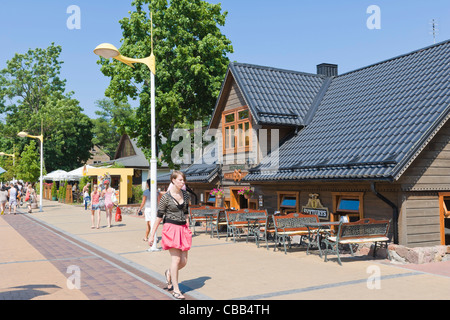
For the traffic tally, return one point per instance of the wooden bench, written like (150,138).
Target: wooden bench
(204,214)
(237,220)
(362,231)
(289,225)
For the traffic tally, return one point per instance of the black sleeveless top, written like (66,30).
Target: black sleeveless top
(171,210)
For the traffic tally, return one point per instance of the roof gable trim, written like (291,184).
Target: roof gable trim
(425,140)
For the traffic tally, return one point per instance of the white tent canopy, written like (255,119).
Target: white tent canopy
(77,174)
(56,175)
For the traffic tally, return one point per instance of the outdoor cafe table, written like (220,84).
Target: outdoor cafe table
(254,226)
(317,227)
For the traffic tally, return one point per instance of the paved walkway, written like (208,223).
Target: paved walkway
(56,255)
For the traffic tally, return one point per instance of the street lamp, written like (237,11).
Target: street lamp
(9,155)
(41,138)
(108,51)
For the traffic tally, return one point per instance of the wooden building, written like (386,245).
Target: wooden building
(371,143)
(98,156)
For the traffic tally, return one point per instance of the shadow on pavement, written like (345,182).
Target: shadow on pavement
(27,292)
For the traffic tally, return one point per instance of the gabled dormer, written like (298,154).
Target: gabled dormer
(257,97)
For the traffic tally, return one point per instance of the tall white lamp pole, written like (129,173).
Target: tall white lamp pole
(108,51)
(41,138)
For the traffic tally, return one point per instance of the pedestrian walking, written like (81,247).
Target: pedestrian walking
(86,196)
(3,199)
(95,206)
(30,197)
(21,192)
(107,195)
(150,217)
(12,194)
(176,236)
(75,192)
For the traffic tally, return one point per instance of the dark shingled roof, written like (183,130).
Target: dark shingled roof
(371,123)
(200,173)
(276,96)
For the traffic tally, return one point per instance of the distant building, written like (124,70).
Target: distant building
(98,156)
(131,156)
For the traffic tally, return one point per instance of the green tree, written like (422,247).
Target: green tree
(29,79)
(106,132)
(191,62)
(32,91)
(7,163)
(29,168)
(68,134)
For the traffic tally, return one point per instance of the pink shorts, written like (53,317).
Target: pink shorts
(177,237)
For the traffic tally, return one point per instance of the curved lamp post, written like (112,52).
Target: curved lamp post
(108,51)
(41,138)
(9,155)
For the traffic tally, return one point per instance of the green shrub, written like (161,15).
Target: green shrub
(137,194)
(54,190)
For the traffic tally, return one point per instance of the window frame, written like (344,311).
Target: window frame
(232,135)
(338,196)
(288,209)
(340,199)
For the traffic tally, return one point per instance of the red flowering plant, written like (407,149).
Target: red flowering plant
(246,191)
(216,192)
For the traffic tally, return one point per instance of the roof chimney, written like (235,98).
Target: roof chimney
(327,69)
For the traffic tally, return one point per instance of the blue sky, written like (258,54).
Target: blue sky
(288,34)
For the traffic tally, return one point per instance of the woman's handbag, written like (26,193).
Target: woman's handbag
(113,197)
(118,214)
(27,197)
(101,204)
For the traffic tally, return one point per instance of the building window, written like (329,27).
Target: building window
(288,202)
(349,204)
(236,130)
(211,199)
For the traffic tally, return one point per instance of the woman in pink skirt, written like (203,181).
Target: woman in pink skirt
(107,195)
(176,235)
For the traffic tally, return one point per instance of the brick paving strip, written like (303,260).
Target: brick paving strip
(103,277)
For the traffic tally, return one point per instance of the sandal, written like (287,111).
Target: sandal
(168,282)
(178,295)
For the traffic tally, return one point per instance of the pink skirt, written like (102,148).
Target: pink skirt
(177,237)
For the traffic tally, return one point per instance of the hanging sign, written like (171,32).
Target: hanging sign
(236,175)
(315,207)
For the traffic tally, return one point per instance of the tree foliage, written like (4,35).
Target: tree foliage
(29,168)
(31,93)
(105,131)
(191,62)
(29,79)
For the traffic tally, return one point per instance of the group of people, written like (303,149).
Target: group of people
(176,237)
(172,210)
(100,200)
(12,194)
